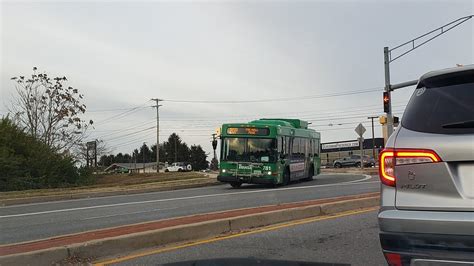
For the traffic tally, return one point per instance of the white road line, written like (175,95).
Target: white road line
(153,193)
(103,197)
(367,177)
(187,198)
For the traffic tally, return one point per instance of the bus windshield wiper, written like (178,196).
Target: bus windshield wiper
(462,124)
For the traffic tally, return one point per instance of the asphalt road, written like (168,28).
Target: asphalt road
(351,239)
(42,220)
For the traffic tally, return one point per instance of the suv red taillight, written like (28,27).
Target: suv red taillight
(390,157)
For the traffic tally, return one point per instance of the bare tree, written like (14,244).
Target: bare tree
(49,110)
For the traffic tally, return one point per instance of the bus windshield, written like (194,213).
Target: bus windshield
(249,150)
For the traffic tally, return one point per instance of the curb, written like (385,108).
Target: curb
(119,245)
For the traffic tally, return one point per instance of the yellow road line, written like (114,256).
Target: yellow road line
(219,238)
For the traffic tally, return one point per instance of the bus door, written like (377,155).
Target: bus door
(297,162)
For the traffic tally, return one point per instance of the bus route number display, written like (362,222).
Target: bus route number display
(248,131)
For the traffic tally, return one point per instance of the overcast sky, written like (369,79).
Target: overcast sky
(119,55)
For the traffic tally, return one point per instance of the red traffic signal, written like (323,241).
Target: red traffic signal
(386,102)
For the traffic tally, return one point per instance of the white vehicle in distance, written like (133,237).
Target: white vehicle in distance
(179,167)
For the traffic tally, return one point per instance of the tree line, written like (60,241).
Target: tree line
(172,150)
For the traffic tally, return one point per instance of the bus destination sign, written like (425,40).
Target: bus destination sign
(248,131)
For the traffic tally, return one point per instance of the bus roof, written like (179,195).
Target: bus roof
(277,126)
(296,123)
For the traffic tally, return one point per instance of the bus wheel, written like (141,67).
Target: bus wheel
(286,178)
(310,174)
(236,184)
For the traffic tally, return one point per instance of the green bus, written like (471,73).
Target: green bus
(268,151)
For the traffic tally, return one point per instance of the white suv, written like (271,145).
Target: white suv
(179,167)
(427,170)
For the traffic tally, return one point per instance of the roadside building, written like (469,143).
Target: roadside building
(133,167)
(332,151)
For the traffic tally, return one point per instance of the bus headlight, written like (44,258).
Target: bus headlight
(269,173)
(223,171)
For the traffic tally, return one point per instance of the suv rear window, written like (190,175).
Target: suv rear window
(443,104)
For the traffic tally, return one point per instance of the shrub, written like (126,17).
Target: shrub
(27,163)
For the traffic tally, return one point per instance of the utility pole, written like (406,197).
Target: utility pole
(373,138)
(143,151)
(135,157)
(157,106)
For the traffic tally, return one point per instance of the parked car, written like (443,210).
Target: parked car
(427,170)
(121,170)
(354,161)
(179,167)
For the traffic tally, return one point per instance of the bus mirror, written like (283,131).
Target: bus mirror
(282,156)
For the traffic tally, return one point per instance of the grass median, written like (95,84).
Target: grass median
(119,183)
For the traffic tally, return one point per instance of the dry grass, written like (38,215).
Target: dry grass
(126,179)
(117,182)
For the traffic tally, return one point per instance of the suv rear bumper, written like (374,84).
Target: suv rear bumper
(249,180)
(417,249)
(423,236)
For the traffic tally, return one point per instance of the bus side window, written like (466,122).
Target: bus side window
(280,145)
(307,148)
(294,148)
(287,147)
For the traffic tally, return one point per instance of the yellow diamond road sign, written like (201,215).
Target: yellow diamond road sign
(360,129)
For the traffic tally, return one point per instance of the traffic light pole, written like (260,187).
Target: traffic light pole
(386,54)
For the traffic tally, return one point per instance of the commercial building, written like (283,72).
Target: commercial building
(332,151)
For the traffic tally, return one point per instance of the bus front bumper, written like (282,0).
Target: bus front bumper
(246,179)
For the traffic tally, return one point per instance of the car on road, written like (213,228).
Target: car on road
(354,161)
(179,167)
(427,170)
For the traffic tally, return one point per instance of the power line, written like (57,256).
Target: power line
(129,134)
(121,115)
(249,117)
(279,99)
(113,109)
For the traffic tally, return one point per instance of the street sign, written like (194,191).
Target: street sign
(360,130)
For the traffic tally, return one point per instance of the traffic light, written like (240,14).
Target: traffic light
(396,120)
(214,144)
(386,102)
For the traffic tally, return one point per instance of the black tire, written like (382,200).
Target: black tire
(286,178)
(337,165)
(358,165)
(310,174)
(236,184)
(166,170)
(179,170)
